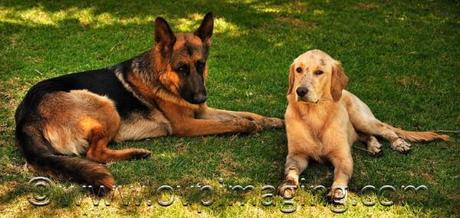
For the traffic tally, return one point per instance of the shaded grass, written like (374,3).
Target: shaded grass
(402,58)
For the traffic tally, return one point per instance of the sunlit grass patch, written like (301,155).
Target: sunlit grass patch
(38,16)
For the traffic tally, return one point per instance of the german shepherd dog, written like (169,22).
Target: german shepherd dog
(158,93)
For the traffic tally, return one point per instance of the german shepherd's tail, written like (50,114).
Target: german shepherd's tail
(42,157)
(419,136)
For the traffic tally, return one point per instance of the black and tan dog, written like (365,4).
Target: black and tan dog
(160,92)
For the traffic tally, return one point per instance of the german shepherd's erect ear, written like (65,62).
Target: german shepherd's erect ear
(339,81)
(206,28)
(164,36)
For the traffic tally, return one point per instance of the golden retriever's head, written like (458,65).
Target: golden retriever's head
(315,76)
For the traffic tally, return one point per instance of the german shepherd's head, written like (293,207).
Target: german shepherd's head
(183,59)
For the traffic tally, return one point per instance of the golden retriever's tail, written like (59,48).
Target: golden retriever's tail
(419,136)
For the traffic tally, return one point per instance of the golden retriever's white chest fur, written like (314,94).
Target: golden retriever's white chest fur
(320,121)
(319,116)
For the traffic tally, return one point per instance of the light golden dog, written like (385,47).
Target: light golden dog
(323,120)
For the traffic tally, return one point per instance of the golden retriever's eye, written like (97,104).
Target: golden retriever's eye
(298,69)
(318,72)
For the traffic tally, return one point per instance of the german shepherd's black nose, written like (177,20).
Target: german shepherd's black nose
(301,91)
(199,98)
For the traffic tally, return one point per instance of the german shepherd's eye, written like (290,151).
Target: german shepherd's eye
(298,69)
(200,66)
(318,72)
(183,69)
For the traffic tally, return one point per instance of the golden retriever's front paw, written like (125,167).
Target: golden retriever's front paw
(338,194)
(287,189)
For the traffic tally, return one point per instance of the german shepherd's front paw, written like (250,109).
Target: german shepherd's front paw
(287,189)
(139,153)
(255,126)
(273,122)
(248,126)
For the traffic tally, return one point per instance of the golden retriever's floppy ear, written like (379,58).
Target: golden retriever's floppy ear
(291,78)
(338,82)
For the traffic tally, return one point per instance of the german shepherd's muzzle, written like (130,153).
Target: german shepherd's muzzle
(160,92)
(192,87)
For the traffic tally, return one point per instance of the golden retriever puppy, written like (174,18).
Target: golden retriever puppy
(323,120)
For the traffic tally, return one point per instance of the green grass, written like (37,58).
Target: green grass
(402,57)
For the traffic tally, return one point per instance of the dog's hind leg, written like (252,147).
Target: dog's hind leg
(101,131)
(97,121)
(364,121)
(373,144)
(378,128)
(98,150)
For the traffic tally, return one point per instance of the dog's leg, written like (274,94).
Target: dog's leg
(218,114)
(343,170)
(201,127)
(397,143)
(363,120)
(300,144)
(295,165)
(376,127)
(373,144)
(190,122)
(99,152)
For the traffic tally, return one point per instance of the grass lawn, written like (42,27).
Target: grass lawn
(402,57)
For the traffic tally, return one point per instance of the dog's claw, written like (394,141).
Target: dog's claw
(401,146)
(273,122)
(287,193)
(338,195)
(375,149)
(287,189)
(140,154)
(377,154)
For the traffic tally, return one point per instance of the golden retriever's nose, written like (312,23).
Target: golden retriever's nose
(301,91)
